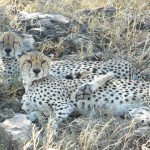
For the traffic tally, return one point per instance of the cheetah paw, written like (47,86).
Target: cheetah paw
(83,92)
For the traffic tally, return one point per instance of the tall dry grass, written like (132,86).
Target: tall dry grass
(88,134)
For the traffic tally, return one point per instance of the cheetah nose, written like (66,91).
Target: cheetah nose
(36,71)
(8,50)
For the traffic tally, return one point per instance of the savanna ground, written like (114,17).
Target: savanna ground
(126,35)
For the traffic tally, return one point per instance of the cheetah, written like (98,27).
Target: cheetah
(47,94)
(11,45)
(10,48)
(122,69)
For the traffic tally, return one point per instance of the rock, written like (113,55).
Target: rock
(109,11)
(87,15)
(140,22)
(82,44)
(44,25)
(57,28)
(77,27)
(28,43)
(15,132)
(40,32)
(52,17)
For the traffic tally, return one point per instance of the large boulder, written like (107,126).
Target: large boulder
(108,11)
(82,44)
(43,25)
(15,132)
(140,22)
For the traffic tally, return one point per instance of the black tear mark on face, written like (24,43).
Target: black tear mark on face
(29,61)
(14,44)
(2,42)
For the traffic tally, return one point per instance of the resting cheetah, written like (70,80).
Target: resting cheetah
(10,47)
(121,69)
(47,94)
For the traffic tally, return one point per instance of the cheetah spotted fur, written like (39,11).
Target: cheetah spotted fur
(10,46)
(47,94)
(122,69)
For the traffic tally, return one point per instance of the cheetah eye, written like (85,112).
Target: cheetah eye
(29,61)
(43,61)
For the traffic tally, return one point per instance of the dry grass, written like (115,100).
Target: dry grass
(118,37)
(89,134)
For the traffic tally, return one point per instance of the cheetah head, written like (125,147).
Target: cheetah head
(34,65)
(10,45)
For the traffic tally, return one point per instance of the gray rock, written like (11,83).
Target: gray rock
(109,11)
(15,132)
(140,22)
(28,43)
(43,25)
(82,44)
(39,16)
(42,33)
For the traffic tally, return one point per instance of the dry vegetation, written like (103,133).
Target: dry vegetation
(91,134)
(123,37)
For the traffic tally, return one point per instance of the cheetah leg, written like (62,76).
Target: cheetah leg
(32,113)
(87,89)
(141,116)
(62,112)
